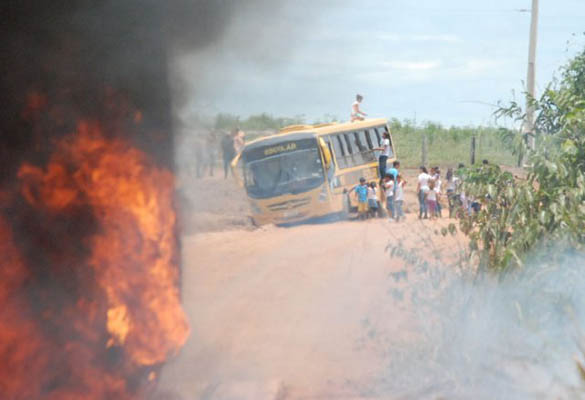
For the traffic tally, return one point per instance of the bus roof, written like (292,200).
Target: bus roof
(320,129)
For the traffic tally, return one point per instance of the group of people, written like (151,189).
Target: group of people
(429,192)
(206,151)
(432,191)
(389,195)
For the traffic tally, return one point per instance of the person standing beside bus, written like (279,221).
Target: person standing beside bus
(239,141)
(393,170)
(228,151)
(356,113)
(362,195)
(385,149)
(389,189)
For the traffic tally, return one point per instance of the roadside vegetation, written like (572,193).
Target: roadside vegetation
(446,146)
(543,214)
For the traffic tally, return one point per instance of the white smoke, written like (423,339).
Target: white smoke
(482,338)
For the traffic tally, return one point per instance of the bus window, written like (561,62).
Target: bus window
(378,136)
(355,156)
(327,140)
(369,139)
(351,159)
(348,142)
(339,151)
(353,149)
(360,148)
(346,151)
(361,139)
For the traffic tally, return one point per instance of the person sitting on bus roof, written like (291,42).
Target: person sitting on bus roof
(362,194)
(356,113)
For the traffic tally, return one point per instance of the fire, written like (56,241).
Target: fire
(16,324)
(92,314)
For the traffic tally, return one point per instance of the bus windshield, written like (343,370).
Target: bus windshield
(293,172)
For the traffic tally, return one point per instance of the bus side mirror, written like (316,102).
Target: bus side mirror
(326,153)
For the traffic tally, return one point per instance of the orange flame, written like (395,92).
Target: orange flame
(133,260)
(16,325)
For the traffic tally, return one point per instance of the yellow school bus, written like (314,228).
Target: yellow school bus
(305,171)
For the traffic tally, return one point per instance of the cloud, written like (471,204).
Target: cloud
(443,38)
(479,66)
(396,73)
(412,65)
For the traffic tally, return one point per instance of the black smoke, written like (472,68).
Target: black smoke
(76,53)
(62,62)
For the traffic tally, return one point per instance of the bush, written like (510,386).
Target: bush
(520,215)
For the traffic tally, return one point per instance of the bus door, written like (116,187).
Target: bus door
(329,164)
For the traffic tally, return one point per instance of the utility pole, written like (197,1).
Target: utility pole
(529,123)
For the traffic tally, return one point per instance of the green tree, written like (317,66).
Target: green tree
(548,205)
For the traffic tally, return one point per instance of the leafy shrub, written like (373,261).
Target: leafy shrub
(519,215)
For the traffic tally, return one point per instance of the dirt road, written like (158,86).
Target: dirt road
(304,312)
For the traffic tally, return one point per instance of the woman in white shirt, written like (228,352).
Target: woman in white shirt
(422,188)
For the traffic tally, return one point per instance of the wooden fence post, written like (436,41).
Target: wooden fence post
(424,149)
(473,150)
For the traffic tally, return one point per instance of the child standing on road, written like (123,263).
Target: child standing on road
(362,194)
(452,192)
(431,200)
(389,190)
(399,198)
(438,188)
(373,199)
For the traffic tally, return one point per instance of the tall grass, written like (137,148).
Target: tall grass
(448,146)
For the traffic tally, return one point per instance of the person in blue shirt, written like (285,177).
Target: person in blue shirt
(362,195)
(393,170)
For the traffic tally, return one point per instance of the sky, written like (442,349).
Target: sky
(446,61)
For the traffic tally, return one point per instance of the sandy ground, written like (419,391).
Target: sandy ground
(304,312)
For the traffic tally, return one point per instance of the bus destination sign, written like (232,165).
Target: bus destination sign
(276,149)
